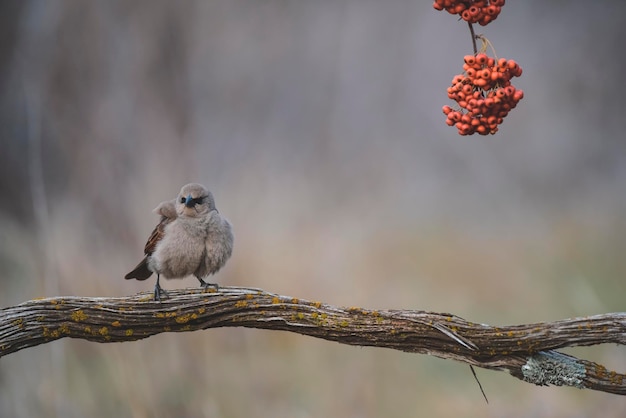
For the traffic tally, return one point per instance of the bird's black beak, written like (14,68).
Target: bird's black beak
(189,202)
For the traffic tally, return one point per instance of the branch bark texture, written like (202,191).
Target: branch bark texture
(525,351)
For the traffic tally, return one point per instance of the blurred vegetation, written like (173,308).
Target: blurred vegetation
(318,127)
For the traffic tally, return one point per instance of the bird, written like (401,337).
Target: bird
(192,237)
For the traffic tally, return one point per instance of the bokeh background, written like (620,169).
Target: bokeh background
(318,126)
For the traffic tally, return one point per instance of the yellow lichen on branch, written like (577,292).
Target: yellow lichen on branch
(525,351)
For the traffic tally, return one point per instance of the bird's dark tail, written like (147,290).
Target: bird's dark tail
(141,272)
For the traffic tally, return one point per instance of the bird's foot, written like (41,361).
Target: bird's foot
(206,285)
(158,290)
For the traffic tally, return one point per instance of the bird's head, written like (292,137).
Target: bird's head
(194,200)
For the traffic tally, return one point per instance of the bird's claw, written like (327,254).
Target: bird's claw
(157,292)
(206,285)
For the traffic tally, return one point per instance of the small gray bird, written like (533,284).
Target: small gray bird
(191,238)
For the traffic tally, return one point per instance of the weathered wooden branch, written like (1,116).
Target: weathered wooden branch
(525,351)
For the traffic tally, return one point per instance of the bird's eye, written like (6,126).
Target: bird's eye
(198,200)
(182,200)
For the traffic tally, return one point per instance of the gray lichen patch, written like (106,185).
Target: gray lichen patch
(552,368)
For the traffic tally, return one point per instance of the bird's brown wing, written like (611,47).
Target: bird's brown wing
(167,210)
(157,235)
(168,214)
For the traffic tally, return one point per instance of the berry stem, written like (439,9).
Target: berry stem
(471,28)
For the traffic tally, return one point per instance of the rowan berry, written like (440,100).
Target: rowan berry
(472,11)
(484,94)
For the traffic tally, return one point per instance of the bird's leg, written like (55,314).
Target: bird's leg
(206,285)
(158,290)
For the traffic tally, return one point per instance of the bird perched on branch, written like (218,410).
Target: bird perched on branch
(191,238)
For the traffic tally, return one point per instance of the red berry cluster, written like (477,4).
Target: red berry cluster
(484,93)
(472,11)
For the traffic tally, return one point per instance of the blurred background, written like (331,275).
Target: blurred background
(318,127)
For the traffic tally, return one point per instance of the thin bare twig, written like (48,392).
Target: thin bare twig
(471,28)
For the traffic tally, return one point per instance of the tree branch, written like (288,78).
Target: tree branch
(525,351)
